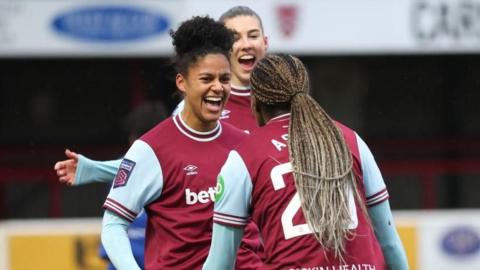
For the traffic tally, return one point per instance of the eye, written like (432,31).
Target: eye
(225,79)
(206,79)
(254,34)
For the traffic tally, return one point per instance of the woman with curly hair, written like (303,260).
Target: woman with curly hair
(310,184)
(167,171)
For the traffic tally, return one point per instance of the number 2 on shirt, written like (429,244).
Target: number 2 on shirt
(294,205)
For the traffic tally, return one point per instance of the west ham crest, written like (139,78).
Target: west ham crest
(287,17)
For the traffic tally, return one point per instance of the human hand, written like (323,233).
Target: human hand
(66,169)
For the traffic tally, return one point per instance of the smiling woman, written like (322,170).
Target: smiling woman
(206,87)
(250,44)
(202,62)
(165,171)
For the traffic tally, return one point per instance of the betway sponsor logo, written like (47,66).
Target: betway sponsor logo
(203,196)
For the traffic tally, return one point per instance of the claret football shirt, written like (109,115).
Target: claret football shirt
(172,172)
(256,181)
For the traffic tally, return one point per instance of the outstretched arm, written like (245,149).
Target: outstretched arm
(79,170)
(89,171)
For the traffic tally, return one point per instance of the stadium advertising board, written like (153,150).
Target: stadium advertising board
(433,240)
(440,240)
(306,27)
(67,244)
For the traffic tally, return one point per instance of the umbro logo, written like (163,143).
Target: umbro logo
(225,114)
(191,169)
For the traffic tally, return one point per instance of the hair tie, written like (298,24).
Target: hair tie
(296,94)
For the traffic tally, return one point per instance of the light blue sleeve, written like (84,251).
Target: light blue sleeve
(233,192)
(139,181)
(224,247)
(375,189)
(372,177)
(393,251)
(116,243)
(91,171)
(379,210)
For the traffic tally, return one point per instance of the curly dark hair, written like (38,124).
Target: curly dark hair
(198,37)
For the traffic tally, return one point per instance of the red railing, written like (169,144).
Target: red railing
(427,172)
(32,175)
(35,165)
(24,165)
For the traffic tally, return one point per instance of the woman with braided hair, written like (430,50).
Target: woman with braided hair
(309,183)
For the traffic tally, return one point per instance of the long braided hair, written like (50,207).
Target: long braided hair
(320,157)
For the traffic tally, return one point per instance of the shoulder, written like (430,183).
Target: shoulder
(265,141)
(347,132)
(350,137)
(162,129)
(233,132)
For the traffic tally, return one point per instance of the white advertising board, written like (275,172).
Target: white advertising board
(444,240)
(433,239)
(304,27)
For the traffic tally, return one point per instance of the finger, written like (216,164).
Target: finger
(71,154)
(66,180)
(61,173)
(58,165)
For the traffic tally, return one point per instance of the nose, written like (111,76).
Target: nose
(217,86)
(244,43)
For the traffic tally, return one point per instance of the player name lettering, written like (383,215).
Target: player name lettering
(363,266)
(280,143)
(203,196)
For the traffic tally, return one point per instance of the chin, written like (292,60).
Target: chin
(210,118)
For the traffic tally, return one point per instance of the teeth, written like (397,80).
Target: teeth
(213,99)
(247,57)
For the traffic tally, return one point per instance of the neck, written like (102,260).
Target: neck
(239,83)
(195,123)
(273,114)
(240,87)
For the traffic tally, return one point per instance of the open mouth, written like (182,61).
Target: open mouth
(247,61)
(213,102)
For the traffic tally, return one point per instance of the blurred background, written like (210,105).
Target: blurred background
(402,73)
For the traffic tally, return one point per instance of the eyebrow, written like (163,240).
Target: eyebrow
(212,74)
(205,74)
(248,32)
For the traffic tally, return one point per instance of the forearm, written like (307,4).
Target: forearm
(224,246)
(116,243)
(91,171)
(393,251)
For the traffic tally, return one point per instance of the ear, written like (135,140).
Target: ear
(257,111)
(265,40)
(180,81)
